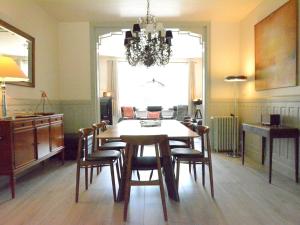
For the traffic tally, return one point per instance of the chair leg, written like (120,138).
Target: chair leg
(151,174)
(195,172)
(142,151)
(211,179)
(118,172)
(86,178)
(113,180)
(91,177)
(128,173)
(190,166)
(98,170)
(77,183)
(203,173)
(161,186)
(177,173)
(138,175)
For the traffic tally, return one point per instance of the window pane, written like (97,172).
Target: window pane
(141,86)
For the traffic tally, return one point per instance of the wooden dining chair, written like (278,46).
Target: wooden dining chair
(87,158)
(202,157)
(107,144)
(143,163)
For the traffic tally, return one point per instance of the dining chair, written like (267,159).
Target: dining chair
(107,144)
(202,157)
(88,157)
(143,163)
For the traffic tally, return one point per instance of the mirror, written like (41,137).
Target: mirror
(18,45)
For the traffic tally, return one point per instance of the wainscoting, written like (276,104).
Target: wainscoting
(250,111)
(19,106)
(77,114)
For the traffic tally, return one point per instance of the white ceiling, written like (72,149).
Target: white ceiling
(165,10)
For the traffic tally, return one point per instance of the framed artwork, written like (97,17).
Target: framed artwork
(276,48)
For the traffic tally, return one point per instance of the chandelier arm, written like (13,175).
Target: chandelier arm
(148,46)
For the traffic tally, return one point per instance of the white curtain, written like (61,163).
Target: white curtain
(191,87)
(113,87)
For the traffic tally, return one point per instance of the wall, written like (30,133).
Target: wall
(74,61)
(285,101)
(224,61)
(75,75)
(44,29)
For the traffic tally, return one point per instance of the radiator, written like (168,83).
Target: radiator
(225,133)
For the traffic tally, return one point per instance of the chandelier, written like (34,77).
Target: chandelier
(148,43)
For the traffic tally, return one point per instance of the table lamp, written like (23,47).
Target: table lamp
(9,71)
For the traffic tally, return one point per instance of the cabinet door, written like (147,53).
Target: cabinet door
(57,136)
(24,147)
(43,141)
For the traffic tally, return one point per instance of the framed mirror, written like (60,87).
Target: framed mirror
(18,45)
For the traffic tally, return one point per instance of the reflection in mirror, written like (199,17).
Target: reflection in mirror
(18,45)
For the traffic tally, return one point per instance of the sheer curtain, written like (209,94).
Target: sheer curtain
(166,86)
(191,86)
(114,88)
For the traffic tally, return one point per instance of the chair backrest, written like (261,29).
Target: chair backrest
(154,112)
(97,128)
(158,140)
(85,142)
(154,108)
(128,112)
(203,132)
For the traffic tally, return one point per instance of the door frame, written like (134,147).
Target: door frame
(202,28)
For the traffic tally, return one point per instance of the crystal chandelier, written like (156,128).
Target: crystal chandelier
(148,43)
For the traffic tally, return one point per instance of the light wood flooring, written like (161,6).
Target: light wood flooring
(242,196)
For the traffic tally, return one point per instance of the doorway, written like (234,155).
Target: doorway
(110,64)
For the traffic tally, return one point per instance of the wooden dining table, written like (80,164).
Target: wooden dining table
(172,128)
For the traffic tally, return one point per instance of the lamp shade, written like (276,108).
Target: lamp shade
(238,78)
(10,71)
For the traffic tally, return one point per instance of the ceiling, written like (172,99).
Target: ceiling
(165,10)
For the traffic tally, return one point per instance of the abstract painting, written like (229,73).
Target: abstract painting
(276,48)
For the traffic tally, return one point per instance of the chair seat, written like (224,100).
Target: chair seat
(186,153)
(103,155)
(113,145)
(177,144)
(144,163)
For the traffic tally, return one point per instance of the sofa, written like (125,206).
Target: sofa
(154,112)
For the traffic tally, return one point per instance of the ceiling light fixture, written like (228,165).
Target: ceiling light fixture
(148,43)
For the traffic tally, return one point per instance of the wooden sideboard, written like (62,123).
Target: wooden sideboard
(25,142)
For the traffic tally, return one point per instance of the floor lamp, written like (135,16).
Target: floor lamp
(235,80)
(11,72)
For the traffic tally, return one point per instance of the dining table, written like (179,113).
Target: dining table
(172,128)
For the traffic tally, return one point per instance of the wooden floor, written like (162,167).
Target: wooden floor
(242,196)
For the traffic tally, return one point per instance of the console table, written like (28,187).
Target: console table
(270,133)
(25,142)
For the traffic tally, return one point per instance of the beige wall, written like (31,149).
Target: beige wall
(247,53)
(225,57)
(74,61)
(31,19)
(283,101)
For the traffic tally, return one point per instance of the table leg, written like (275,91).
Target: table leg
(263,150)
(243,150)
(297,159)
(270,159)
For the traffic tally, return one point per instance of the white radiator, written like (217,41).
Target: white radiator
(225,133)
